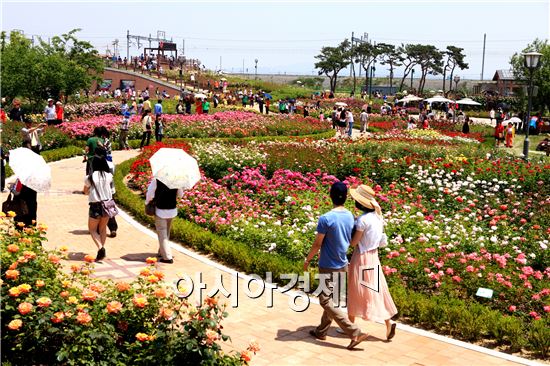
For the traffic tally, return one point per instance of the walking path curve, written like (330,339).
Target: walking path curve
(281,332)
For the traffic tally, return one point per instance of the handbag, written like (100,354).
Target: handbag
(15,204)
(150,208)
(109,208)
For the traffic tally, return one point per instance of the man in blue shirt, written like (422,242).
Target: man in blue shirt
(158,115)
(332,240)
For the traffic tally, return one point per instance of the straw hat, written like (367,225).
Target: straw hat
(365,195)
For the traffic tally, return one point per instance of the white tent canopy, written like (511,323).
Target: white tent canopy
(438,99)
(409,98)
(467,101)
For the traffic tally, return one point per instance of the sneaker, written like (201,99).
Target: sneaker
(100,254)
(169,261)
(113,234)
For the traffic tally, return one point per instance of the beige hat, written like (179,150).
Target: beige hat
(365,195)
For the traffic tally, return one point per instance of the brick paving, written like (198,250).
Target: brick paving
(281,332)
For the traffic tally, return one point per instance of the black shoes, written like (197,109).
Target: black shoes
(169,261)
(113,234)
(100,254)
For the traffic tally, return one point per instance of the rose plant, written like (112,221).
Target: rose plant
(53,317)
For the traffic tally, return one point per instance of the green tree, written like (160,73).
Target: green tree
(82,62)
(36,73)
(366,54)
(391,56)
(431,62)
(332,60)
(541,76)
(455,58)
(411,56)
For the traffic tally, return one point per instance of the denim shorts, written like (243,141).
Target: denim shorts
(96,210)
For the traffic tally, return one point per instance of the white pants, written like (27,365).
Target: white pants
(163,232)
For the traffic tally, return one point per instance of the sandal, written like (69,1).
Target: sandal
(391,334)
(362,337)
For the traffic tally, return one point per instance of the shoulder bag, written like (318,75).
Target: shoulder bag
(15,204)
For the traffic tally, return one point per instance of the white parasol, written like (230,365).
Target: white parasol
(340,104)
(31,169)
(175,168)
(200,95)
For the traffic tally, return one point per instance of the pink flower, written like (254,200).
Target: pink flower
(512,308)
(457,279)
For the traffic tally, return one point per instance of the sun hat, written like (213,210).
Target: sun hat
(365,195)
(50,100)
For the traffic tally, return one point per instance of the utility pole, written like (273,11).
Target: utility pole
(183,46)
(128,45)
(483,59)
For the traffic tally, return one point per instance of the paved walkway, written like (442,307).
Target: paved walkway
(281,332)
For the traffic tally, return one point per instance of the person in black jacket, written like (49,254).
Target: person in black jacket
(165,203)
(16,113)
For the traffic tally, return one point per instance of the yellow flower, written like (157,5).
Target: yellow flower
(40,283)
(140,300)
(72,300)
(2,214)
(66,283)
(25,288)
(12,274)
(15,324)
(14,292)
(12,248)
(83,318)
(25,308)
(44,302)
(114,307)
(11,214)
(142,337)
(64,248)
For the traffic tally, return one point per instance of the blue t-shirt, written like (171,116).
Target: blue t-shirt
(337,226)
(158,108)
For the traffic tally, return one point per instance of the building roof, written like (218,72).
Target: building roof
(504,75)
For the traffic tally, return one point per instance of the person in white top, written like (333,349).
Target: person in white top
(31,136)
(49,113)
(349,121)
(165,210)
(368,293)
(99,187)
(364,118)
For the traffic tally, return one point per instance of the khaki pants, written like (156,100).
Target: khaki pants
(331,312)
(163,233)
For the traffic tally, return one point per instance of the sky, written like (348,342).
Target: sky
(285,36)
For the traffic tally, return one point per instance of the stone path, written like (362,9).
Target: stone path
(281,332)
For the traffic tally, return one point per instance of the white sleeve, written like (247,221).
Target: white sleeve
(151,191)
(180,193)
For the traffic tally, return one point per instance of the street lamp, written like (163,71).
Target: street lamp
(412,75)
(531,62)
(456,79)
(256,69)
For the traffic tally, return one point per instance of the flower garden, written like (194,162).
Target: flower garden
(460,216)
(459,219)
(221,124)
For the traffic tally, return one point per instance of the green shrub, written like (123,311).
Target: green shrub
(539,337)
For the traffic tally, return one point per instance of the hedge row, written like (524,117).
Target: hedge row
(469,321)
